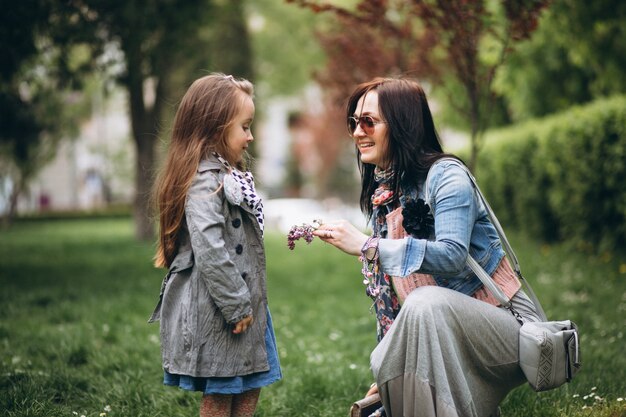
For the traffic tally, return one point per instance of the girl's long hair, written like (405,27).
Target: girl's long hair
(204,115)
(413,144)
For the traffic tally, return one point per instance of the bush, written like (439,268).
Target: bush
(562,177)
(114,211)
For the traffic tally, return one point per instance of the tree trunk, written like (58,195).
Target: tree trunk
(473,149)
(233,49)
(144,135)
(144,170)
(474,99)
(7,219)
(143,123)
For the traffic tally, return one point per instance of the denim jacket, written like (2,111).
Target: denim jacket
(462,227)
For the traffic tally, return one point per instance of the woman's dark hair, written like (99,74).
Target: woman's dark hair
(413,144)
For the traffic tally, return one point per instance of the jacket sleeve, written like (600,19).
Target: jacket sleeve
(204,212)
(455,211)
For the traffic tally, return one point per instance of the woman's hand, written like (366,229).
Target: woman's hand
(373,390)
(243,324)
(342,235)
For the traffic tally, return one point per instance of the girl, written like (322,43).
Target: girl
(448,350)
(216,329)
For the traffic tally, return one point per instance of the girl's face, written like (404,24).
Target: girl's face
(239,135)
(373,146)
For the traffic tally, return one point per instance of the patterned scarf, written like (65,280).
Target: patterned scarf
(383,194)
(239,188)
(386,302)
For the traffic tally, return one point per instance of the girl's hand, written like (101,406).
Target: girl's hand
(243,324)
(342,235)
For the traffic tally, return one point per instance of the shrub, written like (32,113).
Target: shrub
(562,177)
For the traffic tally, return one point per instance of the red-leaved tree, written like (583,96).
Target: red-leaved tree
(453,44)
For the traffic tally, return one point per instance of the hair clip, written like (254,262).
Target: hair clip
(230,77)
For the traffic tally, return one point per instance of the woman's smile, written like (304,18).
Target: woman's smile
(373,146)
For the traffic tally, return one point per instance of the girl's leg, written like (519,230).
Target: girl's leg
(244,404)
(216,405)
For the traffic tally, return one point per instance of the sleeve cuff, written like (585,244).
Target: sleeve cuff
(401,257)
(240,316)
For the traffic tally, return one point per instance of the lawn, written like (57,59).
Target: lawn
(74,338)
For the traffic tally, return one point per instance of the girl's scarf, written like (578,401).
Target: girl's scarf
(239,189)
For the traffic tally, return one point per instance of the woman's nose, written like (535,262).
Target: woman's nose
(358,132)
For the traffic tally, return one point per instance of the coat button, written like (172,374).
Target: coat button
(239,249)
(244,275)
(236,223)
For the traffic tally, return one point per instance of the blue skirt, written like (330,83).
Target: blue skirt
(234,384)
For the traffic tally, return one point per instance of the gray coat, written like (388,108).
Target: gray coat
(217,278)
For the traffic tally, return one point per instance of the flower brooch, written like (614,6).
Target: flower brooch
(417,219)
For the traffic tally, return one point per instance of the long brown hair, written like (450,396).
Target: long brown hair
(413,144)
(204,115)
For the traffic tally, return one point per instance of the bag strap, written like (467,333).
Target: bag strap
(508,250)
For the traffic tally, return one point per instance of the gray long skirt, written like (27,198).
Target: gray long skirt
(449,355)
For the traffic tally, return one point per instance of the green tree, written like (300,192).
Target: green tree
(232,47)
(38,104)
(145,46)
(152,49)
(286,51)
(577,54)
(19,129)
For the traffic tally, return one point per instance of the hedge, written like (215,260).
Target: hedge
(111,211)
(562,177)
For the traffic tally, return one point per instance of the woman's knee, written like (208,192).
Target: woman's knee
(427,298)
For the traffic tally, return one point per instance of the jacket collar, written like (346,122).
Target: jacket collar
(210,163)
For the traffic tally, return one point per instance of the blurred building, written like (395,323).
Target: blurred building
(91,171)
(297,156)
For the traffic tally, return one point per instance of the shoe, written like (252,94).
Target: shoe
(379,413)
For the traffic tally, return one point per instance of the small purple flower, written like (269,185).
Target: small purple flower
(302,231)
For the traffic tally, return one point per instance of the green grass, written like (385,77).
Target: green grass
(75,297)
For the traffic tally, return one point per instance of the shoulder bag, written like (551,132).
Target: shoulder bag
(365,407)
(549,351)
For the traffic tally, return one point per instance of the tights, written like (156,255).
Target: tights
(224,405)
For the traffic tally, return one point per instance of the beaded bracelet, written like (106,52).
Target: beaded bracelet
(369,259)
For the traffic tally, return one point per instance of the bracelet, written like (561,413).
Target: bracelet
(370,249)
(369,259)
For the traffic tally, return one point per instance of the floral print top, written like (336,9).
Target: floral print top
(386,303)
(418,222)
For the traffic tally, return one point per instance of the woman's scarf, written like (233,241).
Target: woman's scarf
(417,221)
(386,302)
(383,194)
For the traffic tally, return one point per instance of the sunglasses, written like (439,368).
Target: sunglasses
(367,123)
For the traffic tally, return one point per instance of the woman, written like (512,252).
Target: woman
(216,329)
(448,350)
